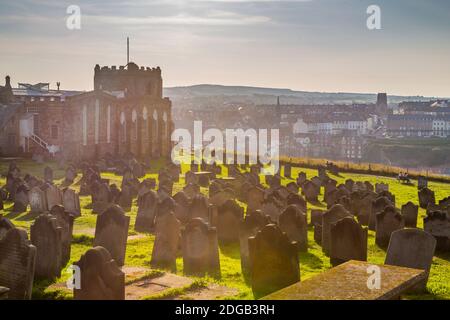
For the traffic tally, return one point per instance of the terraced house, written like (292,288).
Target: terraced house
(125,113)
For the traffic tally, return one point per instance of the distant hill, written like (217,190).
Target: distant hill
(208,93)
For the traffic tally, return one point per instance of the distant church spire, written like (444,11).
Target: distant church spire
(128,50)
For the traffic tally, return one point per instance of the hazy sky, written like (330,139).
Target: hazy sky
(315,45)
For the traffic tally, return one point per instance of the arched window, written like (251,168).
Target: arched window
(84,125)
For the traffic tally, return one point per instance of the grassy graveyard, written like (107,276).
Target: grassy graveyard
(139,247)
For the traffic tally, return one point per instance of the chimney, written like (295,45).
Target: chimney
(7,82)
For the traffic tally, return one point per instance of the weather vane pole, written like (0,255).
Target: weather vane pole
(128,50)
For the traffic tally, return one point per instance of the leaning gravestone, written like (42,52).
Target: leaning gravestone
(111,232)
(145,218)
(101,278)
(274,261)
(329,218)
(411,248)
(21,199)
(293,222)
(167,240)
(46,236)
(426,196)
(71,202)
(229,216)
(409,213)
(65,221)
(38,200)
(126,197)
(249,226)
(200,249)
(17,261)
(348,241)
(388,221)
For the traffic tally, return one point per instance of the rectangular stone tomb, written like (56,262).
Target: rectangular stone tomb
(349,281)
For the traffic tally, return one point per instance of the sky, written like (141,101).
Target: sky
(309,45)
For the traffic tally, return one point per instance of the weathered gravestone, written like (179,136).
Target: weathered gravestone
(380,187)
(181,209)
(17,261)
(54,195)
(409,214)
(200,249)
(271,208)
(101,197)
(411,248)
(364,208)
(422,182)
(311,191)
(199,207)
(349,184)
(21,199)
(438,225)
(298,200)
(111,232)
(388,221)
(288,170)
(145,218)
(101,278)
(229,216)
(191,190)
(71,174)
(48,174)
(426,196)
(65,221)
(378,205)
(316,216)
(167,240)
(5,226)
(301,178)
(348,241)
(46,236)
(38,200)
(293,222)
(318,232)
(71,202)
(249,226)
(292,187)
(255,198)
(329,218)
(126,197)
(274,261)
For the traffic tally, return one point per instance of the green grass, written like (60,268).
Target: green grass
(139,248)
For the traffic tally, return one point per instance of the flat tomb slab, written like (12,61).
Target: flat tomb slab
(348,281)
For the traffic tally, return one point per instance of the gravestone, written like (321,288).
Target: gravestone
(274,261)
(409,213)
(229,216)
(145,218)
(65,221)
(46,236)
(191,190)
(53,195)
(199,207)
(349,184)
(111,232)
(426,196)
(380,187)
(17,262)
(438,225)
(101,278)
(255,198)
(5,226)
(21,199)
(288,170)
(378,205)
(181,209)
(293,222)
(388,221)
(422,182)
(71,202)
(71,174)
(167,240)
(311,191)
(411,248)
(38,200)
(126,197)
(48,175)
(200,249)
(316,216)
(329,218)
(301,178)
(318,232)
(348,241)
(298,201)
(249,226)
(322,173)
(101,197)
